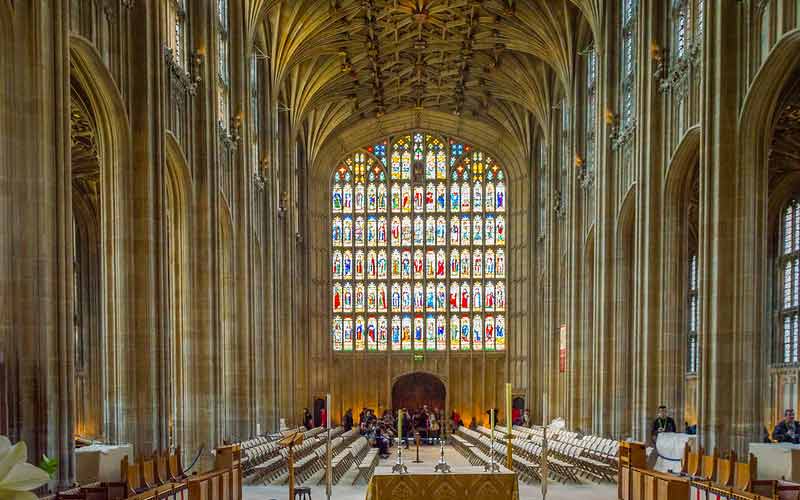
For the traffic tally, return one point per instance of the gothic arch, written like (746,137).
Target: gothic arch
(754,204)
(589,344)
(681,199)
(177,283)
(227,345)
(624,316)
(481,135)
(110,115)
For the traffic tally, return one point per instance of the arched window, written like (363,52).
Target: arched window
(544,187)
(256,90)
(789,279)
(627,63)
(698,21)
(680,21)
(591,110)
(223,67)
(418,248)
(176,31)
(566,157)
(693,316)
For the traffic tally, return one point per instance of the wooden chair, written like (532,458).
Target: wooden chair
(692,461)
(175,467)
(132,478)
(148,471)
(745,474)
(725,470)
(162,467)
(709,466)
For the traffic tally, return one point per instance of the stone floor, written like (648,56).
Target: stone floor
(430,455)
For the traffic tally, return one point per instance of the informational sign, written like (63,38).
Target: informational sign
(562,349)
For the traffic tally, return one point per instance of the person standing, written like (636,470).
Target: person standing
(347,421)
(662,423)
(787,430)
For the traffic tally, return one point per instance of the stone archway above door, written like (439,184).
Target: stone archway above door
(414,390)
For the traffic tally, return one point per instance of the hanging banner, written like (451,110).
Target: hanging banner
(562,349)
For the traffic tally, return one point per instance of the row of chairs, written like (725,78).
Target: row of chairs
(594,456)
(345,456)
(569,457)
(264,459)
(309,459)
(160,470)
(715,472)
(366,468)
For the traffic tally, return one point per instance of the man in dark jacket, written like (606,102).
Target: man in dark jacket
(787,430)
(662,423)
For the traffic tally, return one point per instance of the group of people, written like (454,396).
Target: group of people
(428,423)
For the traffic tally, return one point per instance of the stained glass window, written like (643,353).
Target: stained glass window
(223,68)
(789,277)
(699,20)
(255,118)
(591,108)
(680,18)
(566,156)
(176,30)
(418,233)
(693,317)
(627,64)
(544,187)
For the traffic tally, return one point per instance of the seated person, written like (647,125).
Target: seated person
(787,430)
(382,443)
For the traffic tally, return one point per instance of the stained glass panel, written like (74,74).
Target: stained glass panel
(417,236)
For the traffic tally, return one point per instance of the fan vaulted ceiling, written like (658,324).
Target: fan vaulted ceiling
(338,62)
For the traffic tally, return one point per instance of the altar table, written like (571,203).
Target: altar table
(777,461)
(466,483)
(100,462)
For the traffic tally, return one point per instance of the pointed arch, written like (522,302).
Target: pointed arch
(114,139)
(754,200)
(679,236)
(177,298)
(624,315)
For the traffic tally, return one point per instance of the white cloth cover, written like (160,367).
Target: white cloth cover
(100,462)
(556,425)
(670,446)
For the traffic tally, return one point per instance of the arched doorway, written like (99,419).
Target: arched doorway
(418,389)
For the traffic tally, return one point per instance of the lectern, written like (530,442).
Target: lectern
(290,442)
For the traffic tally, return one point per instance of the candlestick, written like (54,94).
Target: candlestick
(509,423)
(400,467)
(328,410)
(491,466)
(328,450)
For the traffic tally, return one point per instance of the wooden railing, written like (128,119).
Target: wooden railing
(701,476)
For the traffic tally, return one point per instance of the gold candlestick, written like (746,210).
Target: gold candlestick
(509,423)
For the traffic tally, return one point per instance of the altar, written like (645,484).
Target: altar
(464,483)
(777,460)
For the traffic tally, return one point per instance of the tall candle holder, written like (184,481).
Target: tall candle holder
(442,466)
(491,466)
(399,467)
